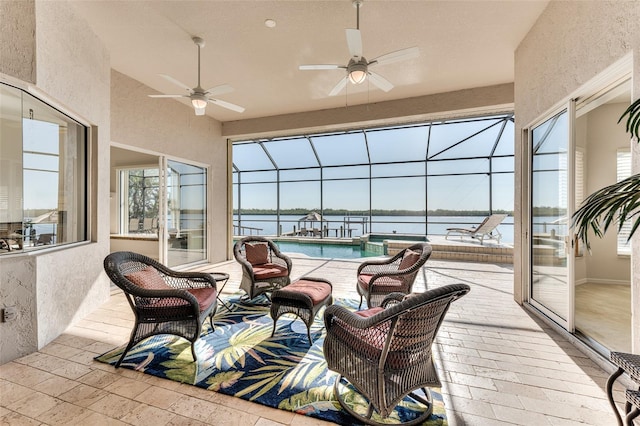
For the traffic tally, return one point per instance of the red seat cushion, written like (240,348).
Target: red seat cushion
(257,253)
(316,290)
(206,296)
(269,270)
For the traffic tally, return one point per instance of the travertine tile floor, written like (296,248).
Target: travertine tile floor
(499,366)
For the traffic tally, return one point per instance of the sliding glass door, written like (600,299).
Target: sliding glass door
(550,288)
(186,215)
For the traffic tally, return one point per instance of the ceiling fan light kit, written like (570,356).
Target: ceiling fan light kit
(358,69)
(199,97)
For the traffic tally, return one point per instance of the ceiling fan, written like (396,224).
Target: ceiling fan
(200,97)
(358,68)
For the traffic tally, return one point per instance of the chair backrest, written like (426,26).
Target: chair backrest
(408,260)
(134,224)
(121,263)
(417,321)
(490,223)
(240,248)
(45,239)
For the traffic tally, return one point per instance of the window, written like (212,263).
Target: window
(623,172)
(140,207)
(42,174)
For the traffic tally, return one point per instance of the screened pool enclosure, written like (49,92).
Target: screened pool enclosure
(410,179)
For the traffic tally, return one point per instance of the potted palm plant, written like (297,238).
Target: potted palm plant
(613,204)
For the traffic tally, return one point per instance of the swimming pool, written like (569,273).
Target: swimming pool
(335,251)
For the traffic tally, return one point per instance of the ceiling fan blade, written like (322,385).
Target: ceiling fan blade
(338,88)
(227,105)
(354,41)
(380,82)
(219,90)
(176,82)
(168,96)
(320,67)
(398,55)
(199,111)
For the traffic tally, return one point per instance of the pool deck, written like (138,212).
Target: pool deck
(462,249)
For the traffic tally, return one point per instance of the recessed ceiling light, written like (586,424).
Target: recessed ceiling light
(270,23)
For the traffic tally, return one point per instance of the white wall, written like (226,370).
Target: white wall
(604,137)
(571,43)
(170,127)
(72,72)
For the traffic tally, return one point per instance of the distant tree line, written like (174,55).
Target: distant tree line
(374,212)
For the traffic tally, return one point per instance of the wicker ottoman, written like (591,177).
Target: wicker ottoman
(303,298)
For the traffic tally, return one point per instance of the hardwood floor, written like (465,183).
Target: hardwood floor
(603,313)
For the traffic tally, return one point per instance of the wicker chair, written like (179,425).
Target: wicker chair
(264,268)
(385,352)
(163,301)
(378,278)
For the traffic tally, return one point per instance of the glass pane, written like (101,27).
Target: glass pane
(399,144)
(250,177)
(343,199)
(502,164)
(250,156)
(54,176)
(454,195)
(291,153)
(549,285)
(505,145)
(551,136)
(446,135)
(341,149)
(404,169)
(258,204)
(398,205)
(186,213)
(304,174)
(476,165)
(479,145)
(346,172)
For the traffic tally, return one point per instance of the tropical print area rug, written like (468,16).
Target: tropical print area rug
(240,358)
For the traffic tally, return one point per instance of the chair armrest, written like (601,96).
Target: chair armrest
(190,280)
(392,299)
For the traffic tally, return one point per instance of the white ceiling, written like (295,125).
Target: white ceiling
(463,44)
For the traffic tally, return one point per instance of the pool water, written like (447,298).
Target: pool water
(335,251)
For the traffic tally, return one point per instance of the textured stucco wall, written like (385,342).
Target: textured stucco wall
(54,287)
(169,127)
(17,39)
(571,43)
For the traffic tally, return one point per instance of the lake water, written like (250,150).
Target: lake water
(437,225)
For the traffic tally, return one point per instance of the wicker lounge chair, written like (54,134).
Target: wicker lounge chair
(264,268)
(488,228)
(377,278)
(163,301)
(385,352)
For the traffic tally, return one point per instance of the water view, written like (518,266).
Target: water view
(354,226)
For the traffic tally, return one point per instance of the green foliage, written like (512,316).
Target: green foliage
(613,204)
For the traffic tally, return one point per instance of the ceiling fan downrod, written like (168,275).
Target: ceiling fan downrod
(200,43)
(357,4)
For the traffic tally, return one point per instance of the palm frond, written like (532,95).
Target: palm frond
(617,203)
(613,204)
(633,122)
